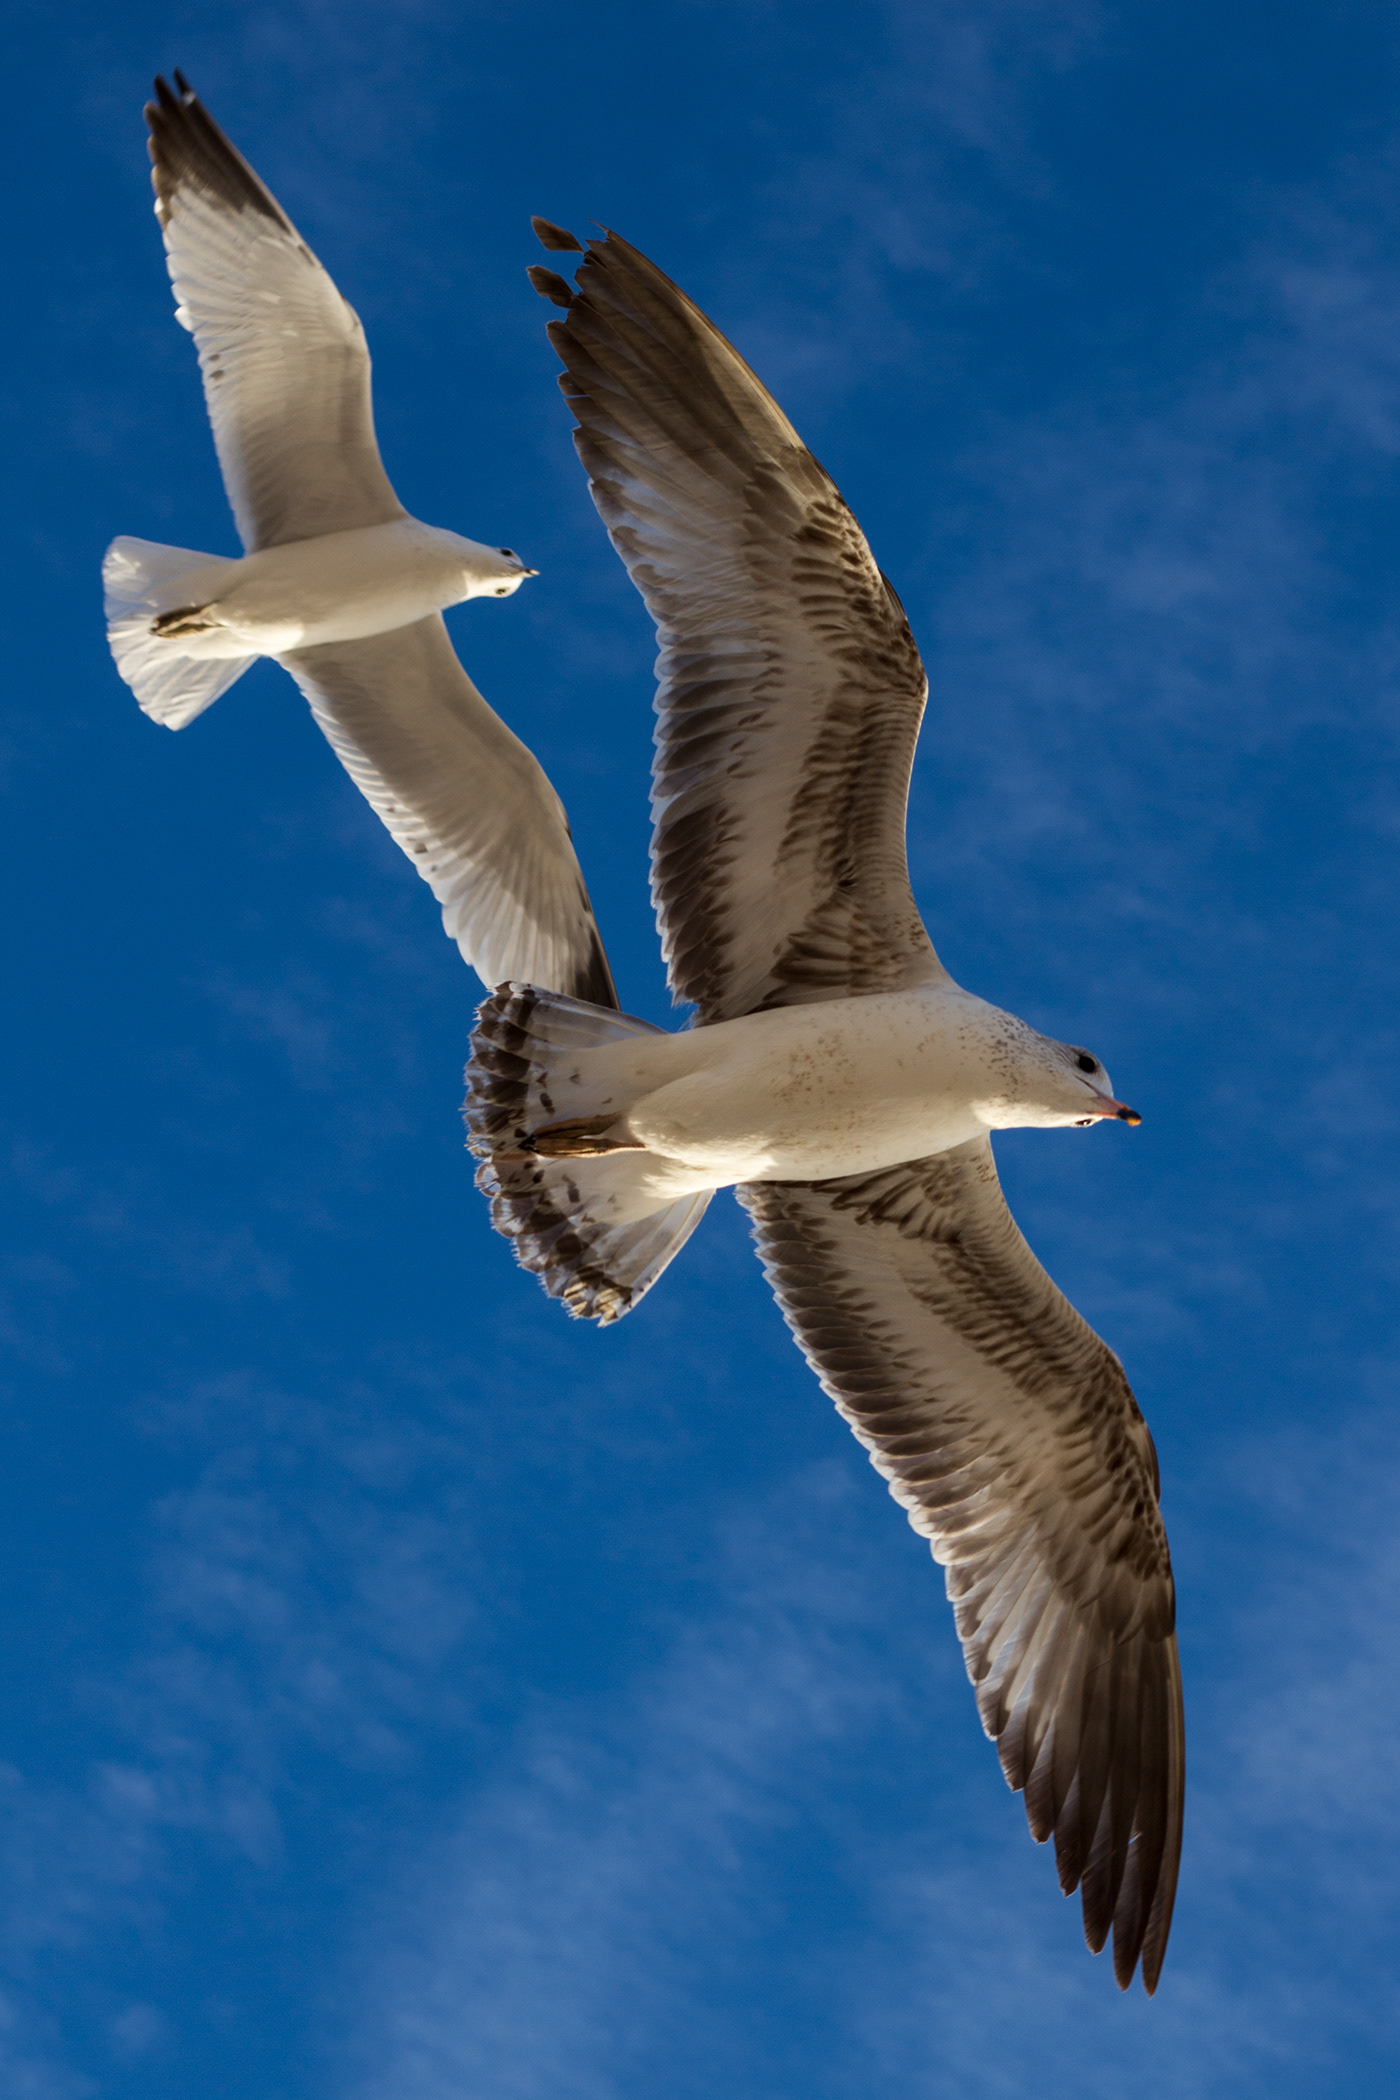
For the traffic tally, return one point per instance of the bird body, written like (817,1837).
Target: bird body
(338,587)
(842,1086)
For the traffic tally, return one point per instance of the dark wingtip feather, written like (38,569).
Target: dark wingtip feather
(187,147)
(594,978)
(1163,1899)
(1108,1779)
(551,236)
(550,285)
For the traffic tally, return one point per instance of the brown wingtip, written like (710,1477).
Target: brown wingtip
(551,236)
(187,147)
(550,285)
(167,97)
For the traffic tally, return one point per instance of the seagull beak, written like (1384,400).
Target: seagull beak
(529,572)
(1118,1111)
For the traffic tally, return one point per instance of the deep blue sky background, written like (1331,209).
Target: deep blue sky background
(408,1695)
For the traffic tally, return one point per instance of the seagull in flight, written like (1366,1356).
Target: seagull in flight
(338,583)
(847,1088)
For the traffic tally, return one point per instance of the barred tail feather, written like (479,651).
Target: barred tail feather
(597,1231)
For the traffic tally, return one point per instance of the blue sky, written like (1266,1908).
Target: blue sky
(409,1695)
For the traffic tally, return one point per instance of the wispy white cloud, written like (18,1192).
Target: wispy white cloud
(913,148)
(768,1852)
(550,1945)
(303,1601)
(76,1863)
(123,1211)
(615,1896)
(1289,1885)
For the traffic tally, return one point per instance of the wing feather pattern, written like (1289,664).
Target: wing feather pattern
(467,801)
(790,688)
(1011,1437)
(285,365)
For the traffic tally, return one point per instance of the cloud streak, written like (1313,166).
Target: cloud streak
(549,1946)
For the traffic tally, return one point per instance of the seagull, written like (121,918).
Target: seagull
(844,1085)
(338,583)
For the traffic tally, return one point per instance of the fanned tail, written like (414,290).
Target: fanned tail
(596,1229)
(141,580)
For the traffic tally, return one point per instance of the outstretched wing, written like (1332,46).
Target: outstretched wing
(1011,1437)
(469,804)
(790,689)
(286,370)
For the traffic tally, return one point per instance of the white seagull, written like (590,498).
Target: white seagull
(338,583)
(840,1079)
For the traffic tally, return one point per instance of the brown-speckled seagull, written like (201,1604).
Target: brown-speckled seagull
(840,1080)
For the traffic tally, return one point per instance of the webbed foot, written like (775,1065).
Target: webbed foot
(186,619)
(585,1137)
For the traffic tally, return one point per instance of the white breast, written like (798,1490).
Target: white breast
(340,587)
(807,1092)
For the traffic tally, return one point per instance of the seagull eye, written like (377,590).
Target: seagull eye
(1087,1063)
(509,553)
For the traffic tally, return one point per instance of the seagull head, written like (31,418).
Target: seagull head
(490,572)
(1056,1086)
(1023,1080)
(1090,1088)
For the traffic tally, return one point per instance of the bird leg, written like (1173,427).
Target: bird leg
(585,1137)
(186,619)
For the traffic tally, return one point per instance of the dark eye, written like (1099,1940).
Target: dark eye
(1087,1063)
(509,553)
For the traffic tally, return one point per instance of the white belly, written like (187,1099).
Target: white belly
(337,588)
(809,1092)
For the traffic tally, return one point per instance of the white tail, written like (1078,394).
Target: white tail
(594,1230)
(141,580)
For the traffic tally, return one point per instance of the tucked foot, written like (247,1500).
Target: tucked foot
(585,1137)
(186,619)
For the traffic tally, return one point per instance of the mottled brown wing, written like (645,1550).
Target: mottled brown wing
(285,366)
(1011,1437)
(467,801)
(790,688)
